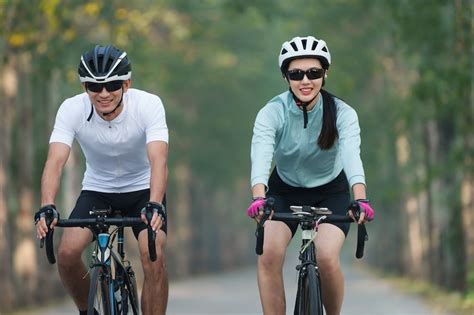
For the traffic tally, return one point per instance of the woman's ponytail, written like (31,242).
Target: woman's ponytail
(329,133)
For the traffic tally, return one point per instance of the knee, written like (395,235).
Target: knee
(271,260)
(328,262)
(154,269)
(68,256)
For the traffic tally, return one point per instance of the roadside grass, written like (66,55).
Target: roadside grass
(439,299)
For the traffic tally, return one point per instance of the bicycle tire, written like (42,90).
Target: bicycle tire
(315,301)
(99,299)
(299,303)
(130,293)
(308,296)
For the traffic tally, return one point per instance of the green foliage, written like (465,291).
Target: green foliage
(405,66)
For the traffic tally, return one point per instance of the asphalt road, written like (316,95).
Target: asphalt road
(236,293)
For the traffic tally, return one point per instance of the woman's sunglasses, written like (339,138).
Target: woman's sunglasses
(111,86)
(311,74)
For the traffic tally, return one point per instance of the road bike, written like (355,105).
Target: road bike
(309,293)
(113,287)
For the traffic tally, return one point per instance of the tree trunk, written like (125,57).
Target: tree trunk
(25,269)
(8,92)
(180,220)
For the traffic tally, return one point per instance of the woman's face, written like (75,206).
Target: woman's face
(306,89)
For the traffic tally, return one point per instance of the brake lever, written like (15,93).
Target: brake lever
(259,233)
(151,235)
(48,223)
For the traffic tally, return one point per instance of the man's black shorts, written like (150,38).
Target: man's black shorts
(126,204)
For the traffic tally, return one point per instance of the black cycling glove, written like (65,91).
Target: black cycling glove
(155,207)
(47,211)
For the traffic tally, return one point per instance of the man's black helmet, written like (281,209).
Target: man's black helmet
(104,64)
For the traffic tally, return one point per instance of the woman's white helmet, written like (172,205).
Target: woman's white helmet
(300,47)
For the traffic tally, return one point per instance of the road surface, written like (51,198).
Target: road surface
(236,293)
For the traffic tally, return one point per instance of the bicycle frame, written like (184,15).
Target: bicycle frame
(307,257)
(104,256)
(112,276)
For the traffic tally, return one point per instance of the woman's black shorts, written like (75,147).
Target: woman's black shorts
(334,195)
(127,204)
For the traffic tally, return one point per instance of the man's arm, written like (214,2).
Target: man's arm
(158,156)
(57,157)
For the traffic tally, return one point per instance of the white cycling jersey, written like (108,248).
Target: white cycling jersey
(115,151)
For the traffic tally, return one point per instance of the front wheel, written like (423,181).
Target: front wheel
(129,292)
(308,298)
(99,301)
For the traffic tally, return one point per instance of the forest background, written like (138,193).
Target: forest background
(405,66)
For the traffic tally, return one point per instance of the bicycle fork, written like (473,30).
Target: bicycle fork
(103,257)
(307,257)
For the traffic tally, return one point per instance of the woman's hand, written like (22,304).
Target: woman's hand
(363,207)
(255,207)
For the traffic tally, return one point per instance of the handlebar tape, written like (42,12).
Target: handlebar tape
(151,237)
(361,238)
(260,237)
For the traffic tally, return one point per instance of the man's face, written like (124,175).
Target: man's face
(106,96)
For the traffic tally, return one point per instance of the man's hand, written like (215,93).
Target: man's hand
(50,212)
(157,212)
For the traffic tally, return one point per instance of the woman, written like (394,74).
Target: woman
(315,140)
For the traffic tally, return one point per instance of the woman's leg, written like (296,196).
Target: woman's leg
(329,241)
(270,268)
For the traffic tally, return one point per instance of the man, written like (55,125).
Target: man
(124,137)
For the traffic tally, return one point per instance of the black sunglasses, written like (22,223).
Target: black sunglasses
(111,86)
(311,74)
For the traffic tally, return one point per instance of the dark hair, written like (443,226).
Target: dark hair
(329,133)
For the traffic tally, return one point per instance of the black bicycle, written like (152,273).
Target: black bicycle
(113,288)
(309,294)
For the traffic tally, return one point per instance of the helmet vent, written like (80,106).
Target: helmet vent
(303,41)
(293,44)
(283,51)
(325,49)
(315,43)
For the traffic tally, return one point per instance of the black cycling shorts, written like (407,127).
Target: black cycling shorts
(127,204)
(334,195)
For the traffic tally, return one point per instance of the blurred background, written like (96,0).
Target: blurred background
(405,66)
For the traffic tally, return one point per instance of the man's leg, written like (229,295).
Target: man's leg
(270,268)
(155,284)
(329,241)
(71,268)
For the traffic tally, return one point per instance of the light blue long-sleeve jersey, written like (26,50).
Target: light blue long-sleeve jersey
(279,132)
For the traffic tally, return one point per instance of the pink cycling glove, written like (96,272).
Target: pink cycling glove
(365,207)
(255,207)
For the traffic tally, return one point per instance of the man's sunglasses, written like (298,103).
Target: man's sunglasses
(311,74)
(111,86)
